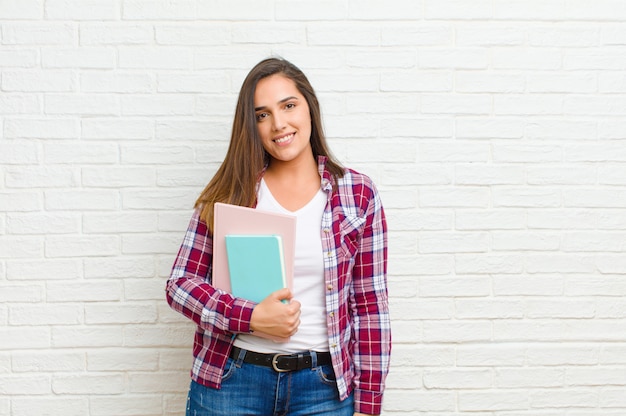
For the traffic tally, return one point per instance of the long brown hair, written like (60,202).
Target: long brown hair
(236,179)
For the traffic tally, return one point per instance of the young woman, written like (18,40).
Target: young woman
(335,323)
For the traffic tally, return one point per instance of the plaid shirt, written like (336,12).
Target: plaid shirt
(354,240)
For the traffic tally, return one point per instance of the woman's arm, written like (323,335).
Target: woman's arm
(189,290)
(372,327)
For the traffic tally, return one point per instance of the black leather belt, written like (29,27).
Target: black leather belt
(282,362)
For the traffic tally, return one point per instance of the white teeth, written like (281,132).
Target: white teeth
(284,139)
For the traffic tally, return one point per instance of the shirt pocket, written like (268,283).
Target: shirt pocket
(350,228)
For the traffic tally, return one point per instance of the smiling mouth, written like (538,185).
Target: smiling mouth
(284,138)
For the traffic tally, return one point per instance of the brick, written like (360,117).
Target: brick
(523,378)
(473,174)
(466,286)
(457,331)
(16,293)
(32,128)
(564,36)
(126,405)
(46,223)
(157,10)
(537,104)
(461,197)
(18,58)
(470,104)
(157,105)
(490,35)
(39,34)
(457,9)
(118,177)
(440,242)
(53,269)
(75,153)
(88,384)
(526,58)
(207,82)
(108,33)
(259,32)
(146,244)
(19,152)
(306,11)
(163,57)
(560,263)
(36,177)
(527,197)
(85,337)
(492,219)
(25,337)
(10,385)
(21,247)
(85,58)
(82,291)
(321,34)
(424,174)
(182,177)
(118,223)
(168,382)
(19,104)
(190,34)
(489,128)
(68,406)
(564,82)
(489,264)
(85,200)
(81,246)
(612,82)
(471,82)
(120,313)
(424,34)
(117,129)
(536,285)
(85,105)
(122,359)
(488,309)
(412,401)
(563,398)
(525,241)
(246,10)
(492,400)
(529,10)
(526,153)
(423,81)
(490,355)
(21,9)
(49,81)
(458,379)
(453,58)
(81,10)
(57,314)
(173,335)
(119,267)
(102,82)
(579,309)
(20,202)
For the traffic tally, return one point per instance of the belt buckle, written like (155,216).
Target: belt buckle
(275,363)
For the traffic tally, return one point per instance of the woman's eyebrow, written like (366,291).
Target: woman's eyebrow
(280,102)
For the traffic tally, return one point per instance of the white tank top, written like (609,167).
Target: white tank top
(308,279)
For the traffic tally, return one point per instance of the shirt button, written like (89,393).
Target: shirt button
(326,230)
(329,254)
(332,314)
(333,345)
(329,287)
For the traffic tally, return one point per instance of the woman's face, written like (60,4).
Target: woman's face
(283,119)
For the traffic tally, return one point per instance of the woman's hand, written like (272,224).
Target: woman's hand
(273,317)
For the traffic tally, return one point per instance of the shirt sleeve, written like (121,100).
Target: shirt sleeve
(372,327)
(189,290)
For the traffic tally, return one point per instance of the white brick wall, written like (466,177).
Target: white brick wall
(495,130)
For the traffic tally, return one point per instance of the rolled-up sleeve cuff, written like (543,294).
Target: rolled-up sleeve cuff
(240,316)
(368,402)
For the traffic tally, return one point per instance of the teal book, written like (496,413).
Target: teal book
(256,265)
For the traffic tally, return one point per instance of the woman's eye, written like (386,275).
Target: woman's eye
(261,116)
(289,106)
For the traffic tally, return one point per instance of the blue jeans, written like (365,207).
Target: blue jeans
(248,389)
